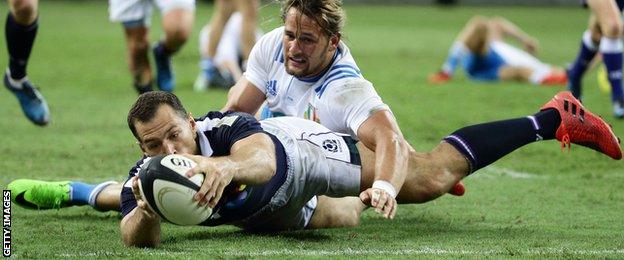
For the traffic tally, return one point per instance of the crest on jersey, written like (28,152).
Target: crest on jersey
(271,87)
(331,145)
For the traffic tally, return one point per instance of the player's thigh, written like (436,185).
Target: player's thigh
(330,165)
(608,17)
(178,15)
(336,212)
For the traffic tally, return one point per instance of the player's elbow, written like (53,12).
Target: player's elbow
(133,236)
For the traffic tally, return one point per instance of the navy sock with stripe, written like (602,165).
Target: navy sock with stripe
(483,144)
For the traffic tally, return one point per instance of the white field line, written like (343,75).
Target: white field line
(493,171)
(501,172)
(382,252)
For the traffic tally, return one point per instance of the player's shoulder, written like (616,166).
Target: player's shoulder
(343,81)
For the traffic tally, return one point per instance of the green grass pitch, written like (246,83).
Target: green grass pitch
(537,202)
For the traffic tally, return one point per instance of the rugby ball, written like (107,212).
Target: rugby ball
(169,192)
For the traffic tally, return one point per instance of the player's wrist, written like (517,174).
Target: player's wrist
(385,186)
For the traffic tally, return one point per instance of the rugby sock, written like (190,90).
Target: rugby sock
(20,39)
(456,53)
(483,144)
(208,68)
(575,72)
(80,192)
(611,50)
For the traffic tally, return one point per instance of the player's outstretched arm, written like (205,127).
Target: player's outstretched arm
(141,227)
(381,134)
(251,161)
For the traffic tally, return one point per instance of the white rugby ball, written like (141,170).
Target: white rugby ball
(169,192)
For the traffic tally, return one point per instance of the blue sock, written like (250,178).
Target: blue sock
(455,55)
(577,69)
(80,192)
(611,50)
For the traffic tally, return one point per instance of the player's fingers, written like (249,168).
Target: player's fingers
(388,207)
(394,209)
(218,194)
(203,190)
(381,203)
(191,172)
(375,196)
(135,188)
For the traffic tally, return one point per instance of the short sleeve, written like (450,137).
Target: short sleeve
(261,59)
(347,103)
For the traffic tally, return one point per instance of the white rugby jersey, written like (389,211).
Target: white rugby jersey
(340,98)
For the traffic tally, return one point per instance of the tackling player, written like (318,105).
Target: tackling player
(481,50)
(261,176)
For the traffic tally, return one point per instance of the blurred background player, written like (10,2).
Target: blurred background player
(20,31)
(481,51)
(229,57)
(248,28)
(603,34)
(135,15)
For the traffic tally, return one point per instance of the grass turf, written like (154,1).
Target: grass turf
(533,203)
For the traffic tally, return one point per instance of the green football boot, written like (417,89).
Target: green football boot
(34,194)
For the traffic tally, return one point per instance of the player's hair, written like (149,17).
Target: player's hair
(328,14)
(144,109)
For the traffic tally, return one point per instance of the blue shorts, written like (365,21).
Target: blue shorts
(483,67)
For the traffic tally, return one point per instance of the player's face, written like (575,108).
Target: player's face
(307,49)
(167,133)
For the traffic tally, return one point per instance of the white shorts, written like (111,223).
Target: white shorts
(139,12)
(516,57)
(320,162)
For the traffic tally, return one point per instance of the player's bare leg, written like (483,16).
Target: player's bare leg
(108,198)
(177,25)
(336,212)
(137,42)
(249,11)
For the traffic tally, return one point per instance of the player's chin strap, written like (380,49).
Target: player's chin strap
(385,186)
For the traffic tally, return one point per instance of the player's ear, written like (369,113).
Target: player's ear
(192,123)
(334,40)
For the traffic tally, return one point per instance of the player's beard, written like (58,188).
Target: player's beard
(306,70)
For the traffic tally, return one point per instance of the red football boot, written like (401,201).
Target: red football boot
(439,78)
(458,189)
(581,127)
(555,79)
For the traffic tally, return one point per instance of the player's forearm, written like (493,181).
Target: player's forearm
(391,157)
(140,229)
(253,163)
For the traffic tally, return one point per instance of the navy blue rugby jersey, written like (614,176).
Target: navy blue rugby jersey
(217,132)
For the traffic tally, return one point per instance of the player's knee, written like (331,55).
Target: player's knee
(612,29)
(478,21)
(24,11)
(177,35)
